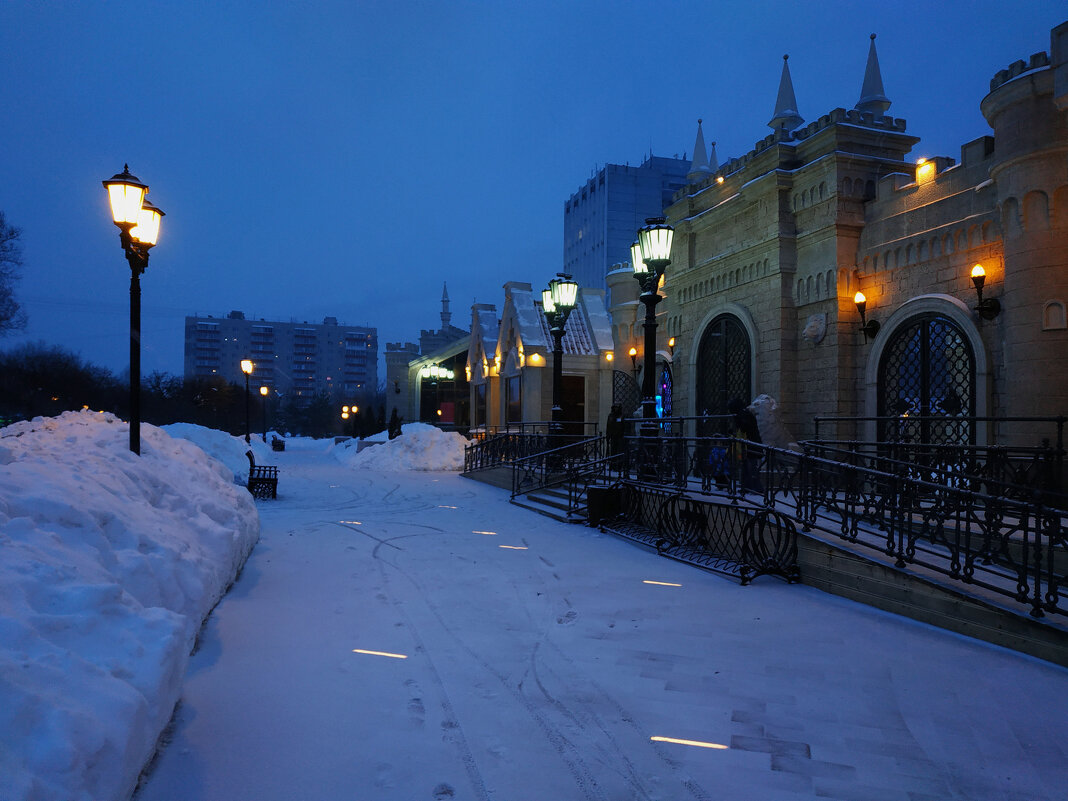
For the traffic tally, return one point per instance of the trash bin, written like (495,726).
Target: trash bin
(602,503)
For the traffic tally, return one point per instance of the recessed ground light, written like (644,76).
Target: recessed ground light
(662,583)
(378,653)
(698,743)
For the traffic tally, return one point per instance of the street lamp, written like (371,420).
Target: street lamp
(650,256)
(263,394)
(138,222)
(246,368)
(557,302)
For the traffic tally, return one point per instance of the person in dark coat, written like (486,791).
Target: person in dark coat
(613,430)
(747,459)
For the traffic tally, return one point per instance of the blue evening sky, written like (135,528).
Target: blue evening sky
(346,158)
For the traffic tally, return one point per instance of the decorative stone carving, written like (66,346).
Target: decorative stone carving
(815,328)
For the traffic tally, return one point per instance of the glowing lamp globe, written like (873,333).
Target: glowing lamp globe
(147,229)
(126,193)
(655,240)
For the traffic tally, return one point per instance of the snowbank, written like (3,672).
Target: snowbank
(419,447)
(227,448)
(110,563)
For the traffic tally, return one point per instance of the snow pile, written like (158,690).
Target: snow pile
(419,447)
(110,563)
(227,448)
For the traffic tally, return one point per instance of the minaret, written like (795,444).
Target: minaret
(699,170)
(446,315)
(785,114)
(872,97)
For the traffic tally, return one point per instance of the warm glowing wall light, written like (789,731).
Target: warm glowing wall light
(698,743)
(925,171)
(379,653)
(609,356)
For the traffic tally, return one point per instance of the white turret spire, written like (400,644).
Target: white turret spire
(872,97)
(446,315)
(700,168)
(785,115)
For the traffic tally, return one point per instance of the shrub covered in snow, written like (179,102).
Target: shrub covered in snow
(419,447)
(110,563)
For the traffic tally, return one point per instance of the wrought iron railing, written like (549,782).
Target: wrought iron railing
(1011,547)
(502,449)
(566,465)
(503,446)
(1025,473)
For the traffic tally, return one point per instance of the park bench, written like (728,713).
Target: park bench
(278,444)
(262,479)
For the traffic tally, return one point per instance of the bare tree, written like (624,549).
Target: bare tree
(12,315)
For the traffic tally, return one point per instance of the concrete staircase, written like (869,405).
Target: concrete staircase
(551,502)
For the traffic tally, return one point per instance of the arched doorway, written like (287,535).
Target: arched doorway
(927,370)
(723,368)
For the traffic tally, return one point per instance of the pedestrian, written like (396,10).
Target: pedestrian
(614,430)
(746,459)
(394,427)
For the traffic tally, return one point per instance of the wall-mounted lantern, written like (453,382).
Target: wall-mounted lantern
(869,327)
(988,308)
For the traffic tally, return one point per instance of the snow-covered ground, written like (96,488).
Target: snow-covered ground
(403,635)
(109,563)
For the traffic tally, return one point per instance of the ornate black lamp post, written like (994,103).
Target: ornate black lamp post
(246,368)
(650,256)
(138,222)
(263,394)
(557,302)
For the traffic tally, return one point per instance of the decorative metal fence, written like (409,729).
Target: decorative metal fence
(502,447)
(1012,547)
(741,541)
(572,465)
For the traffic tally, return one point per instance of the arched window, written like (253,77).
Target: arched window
(927,373)
(723,368)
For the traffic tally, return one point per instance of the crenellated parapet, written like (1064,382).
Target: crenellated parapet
(1038,60)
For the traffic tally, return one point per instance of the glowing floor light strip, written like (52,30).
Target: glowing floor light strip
(488,533)
(513,547)
(662,583)
(378,653)
(697,743)
(351,522)
(447,507)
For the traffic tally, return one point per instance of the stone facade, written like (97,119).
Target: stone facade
(770,248)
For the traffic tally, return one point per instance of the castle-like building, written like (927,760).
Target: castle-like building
(826,268)
(770,250)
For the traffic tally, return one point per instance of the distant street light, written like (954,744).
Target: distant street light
(138,222)
(263,394)
(557,302)
(246,368)
(650,256)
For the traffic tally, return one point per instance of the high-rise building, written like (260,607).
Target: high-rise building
(288,357)
(601,217)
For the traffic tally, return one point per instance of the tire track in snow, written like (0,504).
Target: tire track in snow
(568,751)
(455,732)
